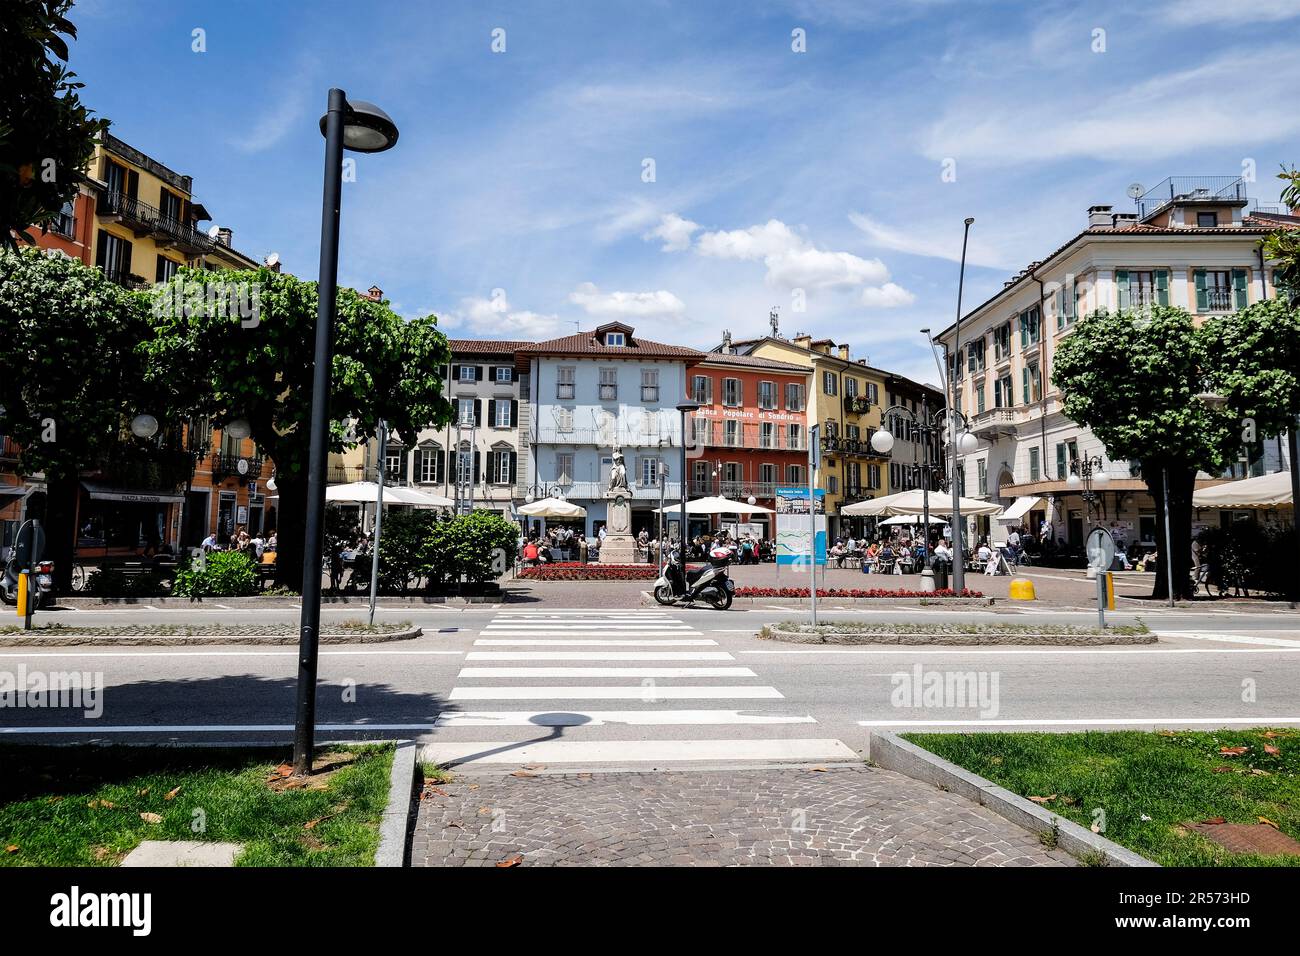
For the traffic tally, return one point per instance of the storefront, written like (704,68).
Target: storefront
(121,521)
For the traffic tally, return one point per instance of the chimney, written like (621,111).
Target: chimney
(1122,220)
(375,294)
(1099,217)
(844,352)
(726,342)
(224,235)
(802,340)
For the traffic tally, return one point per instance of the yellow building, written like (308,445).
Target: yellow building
(844,400)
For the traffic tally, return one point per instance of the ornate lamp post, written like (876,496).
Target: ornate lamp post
(1089,473)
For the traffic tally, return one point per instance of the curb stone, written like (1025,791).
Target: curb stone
(773,632)
(70,602)
(648,598)
(894,753)
(394,826)
(38,639)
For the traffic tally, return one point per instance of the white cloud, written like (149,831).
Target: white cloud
(792,261)
(627,305)
(493,317)
(1194,12)
(675,231)
(757,242)
(887,296)
(937,242)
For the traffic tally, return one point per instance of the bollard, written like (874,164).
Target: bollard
(927,580)
(1022,589)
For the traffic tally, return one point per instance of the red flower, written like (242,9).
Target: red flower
(577,571)
(855,593)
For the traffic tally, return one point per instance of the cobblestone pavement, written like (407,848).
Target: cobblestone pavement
(845,816)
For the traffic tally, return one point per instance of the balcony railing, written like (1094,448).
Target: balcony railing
(834,445)
(144,219)
(992,420)
(345,474)
(607,437)
(229,466)
(1223,188)
(1218,300)
(778,440)
(128,280)
(595,490)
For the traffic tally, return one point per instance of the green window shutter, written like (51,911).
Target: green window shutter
(1162,286)
(1121,284)
(1060,307)
(1024,333)
(1239,288)
(1025,375)
(1202,297)
(1060,460)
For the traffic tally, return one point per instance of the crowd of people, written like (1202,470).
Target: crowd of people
(254,545)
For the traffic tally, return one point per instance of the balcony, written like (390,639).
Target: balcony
(1218,300)
(595,491)
(245,467)
(856,404)
(607,437)
(127,280)
(735,490)
(834,445)
(145,220)
(345,474)
(993,422)
(1223,189)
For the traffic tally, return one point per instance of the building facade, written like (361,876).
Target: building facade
(596,392)
(1191,244)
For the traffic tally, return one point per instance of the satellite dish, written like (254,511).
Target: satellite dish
(1135,191)
(212,233)
(272,260)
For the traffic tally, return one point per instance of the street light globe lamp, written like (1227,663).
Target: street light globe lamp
(238,429)
(882,441)
(967,443)
(752,500)
(1101,479)
(144,426)
(1073,481)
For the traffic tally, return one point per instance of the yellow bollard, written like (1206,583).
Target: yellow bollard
(1110,591)
(1022,589)
(22,593)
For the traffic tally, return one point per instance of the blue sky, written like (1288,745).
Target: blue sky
(515,203)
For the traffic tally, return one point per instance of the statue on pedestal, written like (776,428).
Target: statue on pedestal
(618,546)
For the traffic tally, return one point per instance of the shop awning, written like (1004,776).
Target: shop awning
(1019,508)
(1263,491)
(133,495)
(12,491)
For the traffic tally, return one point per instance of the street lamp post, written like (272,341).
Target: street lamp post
(958,549)
(1087,473)
(364,128)
(685,408)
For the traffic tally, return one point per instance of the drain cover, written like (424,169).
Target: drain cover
(1248,838)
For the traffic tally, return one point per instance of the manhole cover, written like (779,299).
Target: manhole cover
(1248,838)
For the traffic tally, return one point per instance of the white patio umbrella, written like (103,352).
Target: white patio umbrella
(716,505)
(913,503)
(1264,492)
(552,508)
(414,496)
(367,493)
(913,519)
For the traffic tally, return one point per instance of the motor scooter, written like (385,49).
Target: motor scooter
(711,583)
(43,593)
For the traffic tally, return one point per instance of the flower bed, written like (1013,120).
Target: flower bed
(577,571)
(857,593)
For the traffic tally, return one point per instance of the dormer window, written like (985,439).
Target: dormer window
(615,339)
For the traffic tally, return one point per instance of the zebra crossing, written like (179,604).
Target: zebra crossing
(647,662)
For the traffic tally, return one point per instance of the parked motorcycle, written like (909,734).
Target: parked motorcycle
(711,583)
(44,592)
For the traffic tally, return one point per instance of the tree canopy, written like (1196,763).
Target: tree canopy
(46,135)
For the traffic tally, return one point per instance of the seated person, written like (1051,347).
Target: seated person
(870,557)
(531,552)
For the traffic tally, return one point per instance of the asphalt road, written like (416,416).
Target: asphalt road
(503,687)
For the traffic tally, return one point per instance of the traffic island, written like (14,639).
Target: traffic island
(955,633)
(342,632)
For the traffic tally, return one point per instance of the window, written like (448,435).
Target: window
(1002,394)
(1062,462)
(564,467)
(468,373)
(830,383)
(1030,328)
(649,384)
(650,468)
(982,477)
(731,433)
(766,435)
(1207,220)
(563,419)
(1032,380)
(466,409)
(731,392)
(505,374)
(502,467)
(853,475)
(702,389)
(65,223)
(794,396)
(1035,471)
(956,367)
(703,429)
(1002,342)
(171,206)
(1220,290)
(565,378)
(1141,289)
(832,484)
(794,474)
(767,473)
(701,476)
(504,414)
(850,387)
(979,396)
(428,468)
(795,436)
(608,384)
(873,393)
(165,269)
(873,477)
(975,356)
(615,339)
(394,463)
(465,467)
(767,395)
(113,256)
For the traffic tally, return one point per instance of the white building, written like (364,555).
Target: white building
(596,391)
(1191,244)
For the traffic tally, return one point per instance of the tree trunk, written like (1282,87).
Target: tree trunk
(60,526)
(1182,482)
(291,525)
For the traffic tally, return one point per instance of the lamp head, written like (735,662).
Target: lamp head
(882,441)
(144,426)
(366,128)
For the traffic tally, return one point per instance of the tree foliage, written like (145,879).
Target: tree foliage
(46,135)
(1283,245)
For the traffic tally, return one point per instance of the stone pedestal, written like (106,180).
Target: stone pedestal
(619,546)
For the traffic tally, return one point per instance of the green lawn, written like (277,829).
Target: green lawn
(82,806)
(1167,776)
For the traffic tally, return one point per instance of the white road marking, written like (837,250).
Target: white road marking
(1086,722)
(85,728)
(1231,638)
(600,718)
(598,656)
(37,652)
(985,649)
(595,642)
(622,692)
(606,672)
(618,751)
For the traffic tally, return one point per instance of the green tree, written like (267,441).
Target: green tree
(1132,378)
(480,546)
(46,135)
(213,360)
(69,373)
(1283,245)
